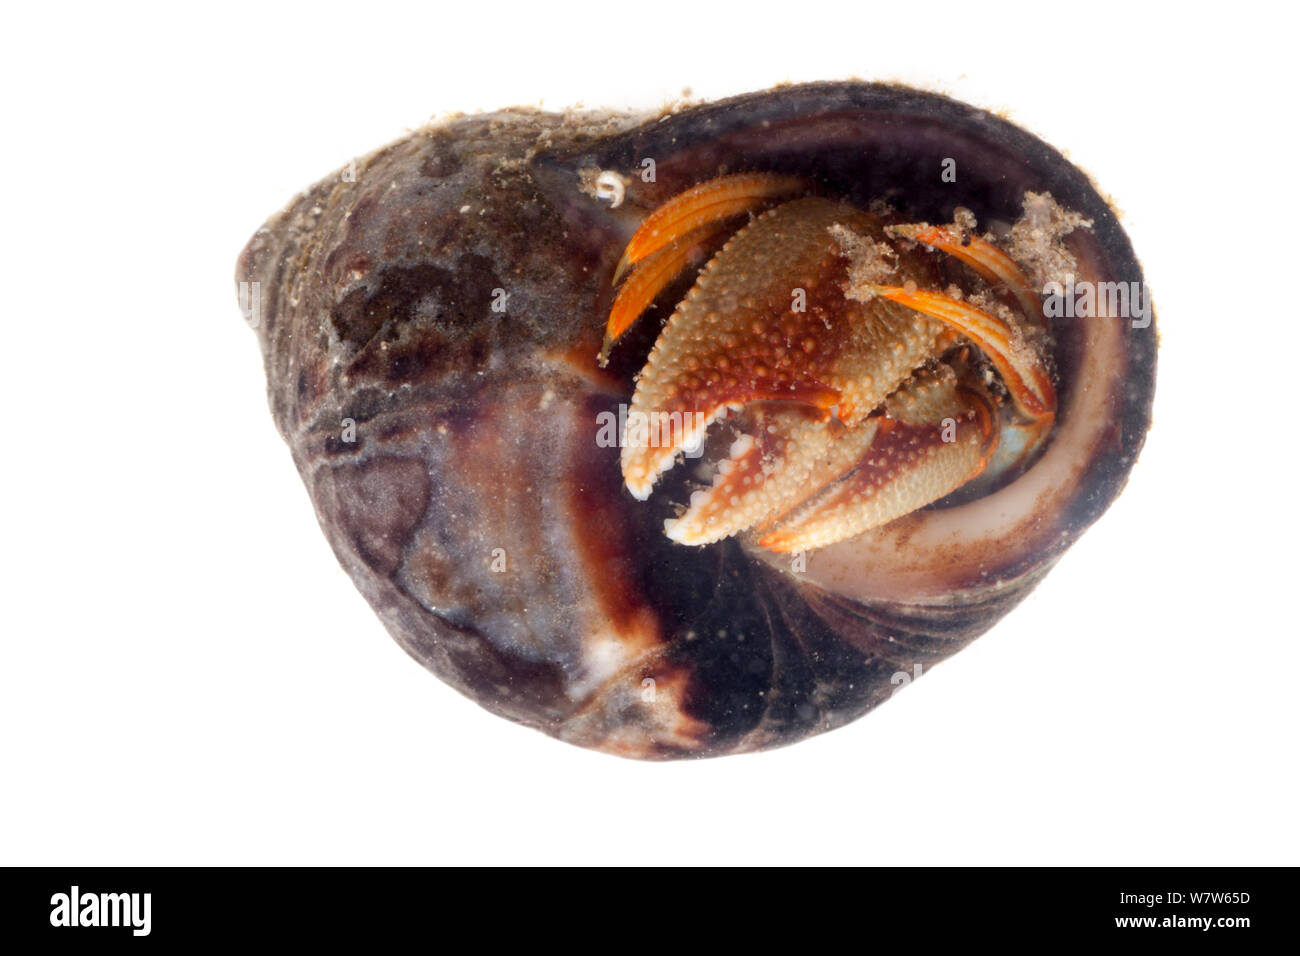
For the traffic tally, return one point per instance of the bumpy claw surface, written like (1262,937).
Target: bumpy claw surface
(825,341)
(768,321)
(784,455)
(649,279)
(935,436)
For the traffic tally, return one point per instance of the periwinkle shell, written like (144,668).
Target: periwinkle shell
(450,449)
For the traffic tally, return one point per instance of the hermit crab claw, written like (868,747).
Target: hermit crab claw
(767,321)
(803,485)
(820,338)
(674,232)
(935,436)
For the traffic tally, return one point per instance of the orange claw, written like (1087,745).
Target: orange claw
(993,265)
(1022,370)
(908,465)
(654,273)
(700,205)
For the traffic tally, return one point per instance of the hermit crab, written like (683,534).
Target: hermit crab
(702,432)
(809,313)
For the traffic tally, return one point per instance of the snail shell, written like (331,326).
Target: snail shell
(430,321)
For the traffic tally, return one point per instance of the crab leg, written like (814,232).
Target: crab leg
(655,272)
(782,457)
(992,264)
(1021,368)
(701,205)
(936,436)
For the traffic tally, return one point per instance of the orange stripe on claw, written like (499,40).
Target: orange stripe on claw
(1023,372)
(700,205)
(992,264)
(649,279)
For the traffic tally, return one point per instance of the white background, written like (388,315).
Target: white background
(187,676)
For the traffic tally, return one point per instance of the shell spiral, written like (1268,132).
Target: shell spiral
(429,324)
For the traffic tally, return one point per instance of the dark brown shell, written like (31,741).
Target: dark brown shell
(475,429)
